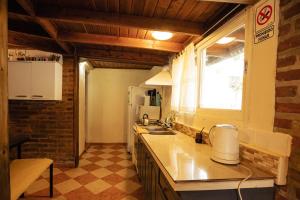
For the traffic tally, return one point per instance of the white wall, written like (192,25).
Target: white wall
(258,111)
(107,103)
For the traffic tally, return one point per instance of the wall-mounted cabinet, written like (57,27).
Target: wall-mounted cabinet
(34,80)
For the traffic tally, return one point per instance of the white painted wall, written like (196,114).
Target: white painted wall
(107,103)
(258,112)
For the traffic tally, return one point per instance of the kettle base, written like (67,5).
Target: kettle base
(224,161)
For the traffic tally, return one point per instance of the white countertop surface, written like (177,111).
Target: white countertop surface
(186,161)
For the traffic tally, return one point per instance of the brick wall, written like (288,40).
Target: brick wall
(287,117)
(48,123)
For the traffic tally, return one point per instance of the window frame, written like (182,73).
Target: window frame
(231,26)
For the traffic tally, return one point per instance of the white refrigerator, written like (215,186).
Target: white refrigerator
(136,96)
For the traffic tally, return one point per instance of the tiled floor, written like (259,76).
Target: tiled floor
(105,172)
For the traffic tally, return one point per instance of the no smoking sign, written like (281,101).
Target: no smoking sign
(264,21)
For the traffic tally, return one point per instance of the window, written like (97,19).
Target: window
(222,72)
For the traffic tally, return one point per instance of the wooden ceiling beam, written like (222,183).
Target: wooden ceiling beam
(32,41)
(28,6)
(119,41)
(114,19)
(123,56)
(248,2)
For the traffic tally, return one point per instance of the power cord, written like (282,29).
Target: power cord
(242,181)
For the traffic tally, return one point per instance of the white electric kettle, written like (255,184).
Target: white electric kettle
(225,144)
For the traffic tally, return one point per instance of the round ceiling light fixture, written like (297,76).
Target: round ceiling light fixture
(159,35)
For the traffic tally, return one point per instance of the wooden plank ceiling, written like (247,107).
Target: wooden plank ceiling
(113,30)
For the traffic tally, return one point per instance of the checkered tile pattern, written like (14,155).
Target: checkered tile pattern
(105,172)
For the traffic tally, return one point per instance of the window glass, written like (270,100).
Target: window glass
(222,72)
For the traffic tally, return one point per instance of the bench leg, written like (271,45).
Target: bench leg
(51,180)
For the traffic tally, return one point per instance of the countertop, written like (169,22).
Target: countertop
(184,161)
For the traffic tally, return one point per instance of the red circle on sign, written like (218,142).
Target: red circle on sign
(264,15)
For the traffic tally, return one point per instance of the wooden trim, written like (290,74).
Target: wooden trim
(76,110)
(120,20)
(250,2)
(119,41)
(28,6)
(4,137)
(124,56)
(32,41)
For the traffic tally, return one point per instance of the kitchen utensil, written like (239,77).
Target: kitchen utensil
(225,144)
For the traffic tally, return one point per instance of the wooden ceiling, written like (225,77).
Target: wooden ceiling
(115,30)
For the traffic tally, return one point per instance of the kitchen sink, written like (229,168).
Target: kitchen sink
(154,129)
(162,133)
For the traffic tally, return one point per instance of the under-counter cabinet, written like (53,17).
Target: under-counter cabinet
(157,187)
(34,80)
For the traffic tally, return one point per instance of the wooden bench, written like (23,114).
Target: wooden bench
(23,172)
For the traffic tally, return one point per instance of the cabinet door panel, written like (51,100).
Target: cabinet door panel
(43,77)
(19,80)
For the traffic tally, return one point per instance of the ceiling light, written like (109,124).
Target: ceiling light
(225,40)
(161,35)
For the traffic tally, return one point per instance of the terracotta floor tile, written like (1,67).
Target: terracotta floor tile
(114,167)
(85,179)
(112,194)
(113,179)
(128,186)
(43,194)
(126,173)
(83,162)
(105,172)
(104,163)
(105,155)
(102,172)
(94,159)
(76,172)
(115,159)
(60,178)
(116,152)
(125,163)
(98,152)
(67,186)
(97,186)
(90,167)
(81,194)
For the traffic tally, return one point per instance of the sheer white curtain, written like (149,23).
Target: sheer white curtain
(177,67)
(184,76)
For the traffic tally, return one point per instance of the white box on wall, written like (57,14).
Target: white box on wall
(35,80)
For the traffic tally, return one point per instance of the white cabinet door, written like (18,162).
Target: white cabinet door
(19,80)
(43,80)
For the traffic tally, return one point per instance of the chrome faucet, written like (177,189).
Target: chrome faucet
(169,121)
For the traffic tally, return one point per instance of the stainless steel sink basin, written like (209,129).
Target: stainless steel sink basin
(155,129)
(162,133)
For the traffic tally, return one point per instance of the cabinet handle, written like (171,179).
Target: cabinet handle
(21,96)
(37,96)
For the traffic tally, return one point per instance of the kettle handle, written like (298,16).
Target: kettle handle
(211,135)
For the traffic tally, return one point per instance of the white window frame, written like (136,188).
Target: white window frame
(231,26)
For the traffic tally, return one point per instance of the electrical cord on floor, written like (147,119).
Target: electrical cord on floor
(242,181)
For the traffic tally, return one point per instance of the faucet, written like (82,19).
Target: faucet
(169,121)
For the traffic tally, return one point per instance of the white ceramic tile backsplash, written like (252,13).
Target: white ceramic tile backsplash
(276,143)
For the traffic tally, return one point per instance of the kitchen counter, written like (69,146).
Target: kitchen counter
(188,166)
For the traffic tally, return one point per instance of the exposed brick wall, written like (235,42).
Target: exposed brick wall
(48,123)
(287,117)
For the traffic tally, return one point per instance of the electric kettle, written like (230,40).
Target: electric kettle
(225,144)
